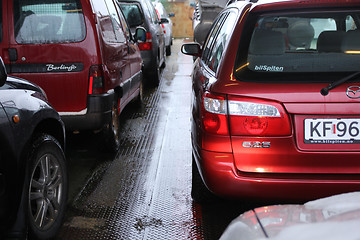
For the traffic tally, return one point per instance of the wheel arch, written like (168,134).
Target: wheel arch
(52,127)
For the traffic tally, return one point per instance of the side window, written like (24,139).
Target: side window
(124,24)
(221,41)
(54,22)
(211,37)
(350,23)
(119,34)
(132,14)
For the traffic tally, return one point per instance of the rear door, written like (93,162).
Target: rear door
(4,42)
(47,46)
(115,51)
(134,58)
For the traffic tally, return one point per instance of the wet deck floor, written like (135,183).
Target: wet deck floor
(143,192)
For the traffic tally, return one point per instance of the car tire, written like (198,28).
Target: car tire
(47,188)
(163,65)
(168,50)
(140,98)
(111,131)
(156,75)
(199,192)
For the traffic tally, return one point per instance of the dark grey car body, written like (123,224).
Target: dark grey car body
(143,14)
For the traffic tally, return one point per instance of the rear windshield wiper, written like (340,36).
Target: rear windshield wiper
(325,90)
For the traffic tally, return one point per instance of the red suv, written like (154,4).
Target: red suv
(276,110)
(80,52)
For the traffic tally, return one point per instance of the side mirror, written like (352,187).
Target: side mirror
(192,49)
(3,74)
(140,34)
(164,20)
(171,14)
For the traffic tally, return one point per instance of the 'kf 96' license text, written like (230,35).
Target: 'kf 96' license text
(323,131)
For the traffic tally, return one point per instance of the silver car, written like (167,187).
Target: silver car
(336,217)
(166,23)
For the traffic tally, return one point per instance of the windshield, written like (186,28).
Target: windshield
(301,44)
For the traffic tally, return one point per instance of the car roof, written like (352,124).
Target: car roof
(264,5)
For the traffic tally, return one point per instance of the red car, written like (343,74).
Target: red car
(81,53)
(276,109)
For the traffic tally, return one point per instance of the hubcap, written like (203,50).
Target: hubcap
(45,192)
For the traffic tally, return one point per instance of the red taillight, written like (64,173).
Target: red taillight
(147,45)
(247,117)
(255,125)
(259,126)
(96,80)
(214,117)
(250,117)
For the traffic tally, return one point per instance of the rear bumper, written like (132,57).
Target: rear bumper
(221,178)
(98,114)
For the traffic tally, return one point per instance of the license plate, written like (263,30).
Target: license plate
(332,131)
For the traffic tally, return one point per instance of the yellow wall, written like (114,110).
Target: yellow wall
(182,22)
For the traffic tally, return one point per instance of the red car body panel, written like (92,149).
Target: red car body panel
(223,179)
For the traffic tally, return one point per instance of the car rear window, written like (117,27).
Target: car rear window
(294,45)
(48,21)
(132,14)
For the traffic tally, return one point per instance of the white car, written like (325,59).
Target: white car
(331,218)
(166,23)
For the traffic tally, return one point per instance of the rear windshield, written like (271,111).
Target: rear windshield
(48,21)
(132,14)
(306,46)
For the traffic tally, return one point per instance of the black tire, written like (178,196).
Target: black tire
(111,132)
(47,183)
(199,192)
(140,98)
(155,77)
(168,50)
(163,65)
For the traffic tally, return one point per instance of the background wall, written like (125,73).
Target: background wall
(182,22)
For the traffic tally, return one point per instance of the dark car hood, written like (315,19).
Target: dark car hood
(19,83)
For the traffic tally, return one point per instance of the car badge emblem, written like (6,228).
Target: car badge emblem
(353,92)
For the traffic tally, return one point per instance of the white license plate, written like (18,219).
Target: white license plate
(332,131)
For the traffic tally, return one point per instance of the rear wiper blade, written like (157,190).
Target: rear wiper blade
(325,90)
